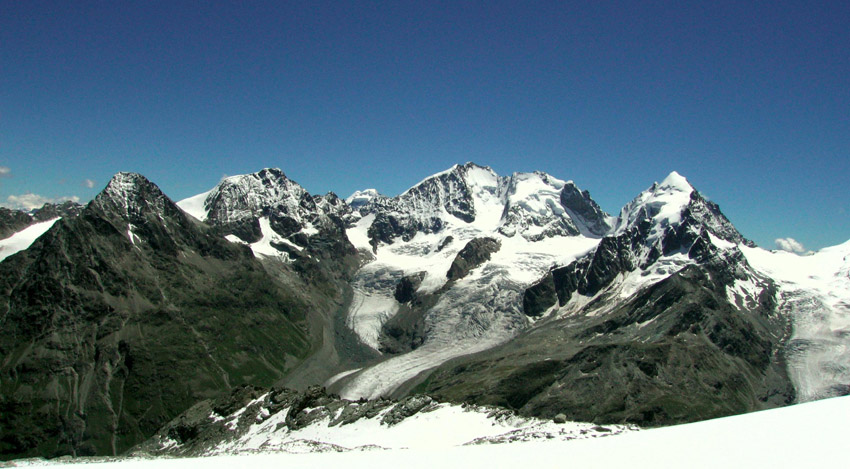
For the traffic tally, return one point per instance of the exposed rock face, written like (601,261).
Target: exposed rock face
(13,221)
(677,349)
(582,207)
(210,425)
(535,206)
(405,291)
(677,352)
(119,319)
(475,253)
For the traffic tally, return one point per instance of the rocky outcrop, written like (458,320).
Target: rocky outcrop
(210,425)
(13,221)
(586,210)
(475,253)
(405,291)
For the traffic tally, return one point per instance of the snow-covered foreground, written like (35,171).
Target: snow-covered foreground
(804,435)
(24,238)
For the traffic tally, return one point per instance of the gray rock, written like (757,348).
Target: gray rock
(475,253)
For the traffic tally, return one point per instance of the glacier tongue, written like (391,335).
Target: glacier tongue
(523,212)
(815,293)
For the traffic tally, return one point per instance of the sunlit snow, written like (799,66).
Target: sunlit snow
(815,292)
(24,238)
(804,435)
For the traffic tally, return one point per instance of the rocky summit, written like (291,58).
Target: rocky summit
(216,323)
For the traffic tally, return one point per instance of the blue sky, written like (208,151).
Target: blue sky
(749,100)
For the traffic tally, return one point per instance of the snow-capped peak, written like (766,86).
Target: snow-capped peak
(246,195)
(662,204)
(129,193)
(361,198)
(123,184)
(676,182)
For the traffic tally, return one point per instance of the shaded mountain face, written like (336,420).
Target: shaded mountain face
(13,221)
(119,319)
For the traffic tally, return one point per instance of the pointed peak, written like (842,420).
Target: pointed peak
(125,184)
(473,165)
(130,194)
(676,181)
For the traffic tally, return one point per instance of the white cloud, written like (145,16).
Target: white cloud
(89,183)
(31,201)
(790,245)
(5,171)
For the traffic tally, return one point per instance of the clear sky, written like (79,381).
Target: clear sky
(749,100)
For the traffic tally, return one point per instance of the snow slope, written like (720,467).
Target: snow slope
(814,290)
(803,435)
(195,205)
(480,311)
(24,238)
(441,426)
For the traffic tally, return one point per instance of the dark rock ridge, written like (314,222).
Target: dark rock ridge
(13,221)
(213,422)
(117,320)
(582,207)
(450,197)
(405,291)
(475,253)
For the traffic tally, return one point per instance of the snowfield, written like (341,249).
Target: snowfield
(473,314)
(803,435)
(24,238)
(814,290)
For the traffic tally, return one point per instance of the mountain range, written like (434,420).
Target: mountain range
(515,291)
